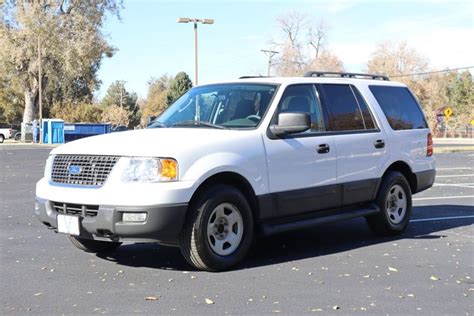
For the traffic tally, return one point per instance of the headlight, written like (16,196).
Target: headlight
(48,168)
(150,170)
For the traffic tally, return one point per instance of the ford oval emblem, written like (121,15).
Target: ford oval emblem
(74,169)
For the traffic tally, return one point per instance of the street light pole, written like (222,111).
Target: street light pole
(195,21)
(40,93)
(195,53)
(270,54)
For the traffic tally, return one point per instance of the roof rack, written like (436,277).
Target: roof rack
(345,75)
(250,77)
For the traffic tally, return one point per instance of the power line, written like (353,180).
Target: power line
(432,72)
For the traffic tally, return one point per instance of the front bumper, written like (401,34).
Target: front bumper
(163,223)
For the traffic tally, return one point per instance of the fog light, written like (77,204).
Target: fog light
(134,217)
(37,206)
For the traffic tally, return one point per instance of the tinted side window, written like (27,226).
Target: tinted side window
(399,106)
(368,120)
(303,98)
(344,112)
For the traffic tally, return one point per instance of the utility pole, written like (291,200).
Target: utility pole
(40,93)
(270,54)
(121,93)
(196,21)
(122,83)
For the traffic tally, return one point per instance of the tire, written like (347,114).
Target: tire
(218,231)
(17,136)
(95,246)
(394,201)
(2,138)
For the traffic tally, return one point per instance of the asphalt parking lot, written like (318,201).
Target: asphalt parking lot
(338,268)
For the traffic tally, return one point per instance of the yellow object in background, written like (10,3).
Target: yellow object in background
(448,112)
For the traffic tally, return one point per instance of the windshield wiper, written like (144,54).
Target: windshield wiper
(197,123)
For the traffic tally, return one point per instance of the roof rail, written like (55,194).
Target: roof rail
(345,75)
(250,77)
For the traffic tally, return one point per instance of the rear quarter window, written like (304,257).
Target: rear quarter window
(400,107)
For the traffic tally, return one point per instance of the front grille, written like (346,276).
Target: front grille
(82,169)
(76,209)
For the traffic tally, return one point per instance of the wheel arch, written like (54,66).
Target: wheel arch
(231,179)
(404,169)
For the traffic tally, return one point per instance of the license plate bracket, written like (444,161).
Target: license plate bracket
(68,224)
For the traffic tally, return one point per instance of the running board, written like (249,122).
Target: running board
(275,228)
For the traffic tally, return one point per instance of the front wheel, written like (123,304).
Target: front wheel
(218,231)
(394,201)
(95,246)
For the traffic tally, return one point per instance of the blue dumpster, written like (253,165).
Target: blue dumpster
(73,131)
(53,131)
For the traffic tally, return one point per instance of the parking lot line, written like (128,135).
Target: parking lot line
(460,185)
(440,218)
(455,168)
(444,197)
(456,175)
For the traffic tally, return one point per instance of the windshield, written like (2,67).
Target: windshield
(219,106)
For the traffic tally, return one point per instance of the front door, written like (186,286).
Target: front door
(302,167)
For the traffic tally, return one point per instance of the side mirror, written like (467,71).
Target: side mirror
(290,123)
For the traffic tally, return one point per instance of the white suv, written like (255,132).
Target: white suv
(229,161)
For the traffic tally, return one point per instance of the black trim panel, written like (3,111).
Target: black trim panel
(359,191)
(424,180)
(294,223)
(307,200)
(317,199)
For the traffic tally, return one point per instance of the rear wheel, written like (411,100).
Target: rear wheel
(95,246)
(394,201)
(2,138)
(218,231)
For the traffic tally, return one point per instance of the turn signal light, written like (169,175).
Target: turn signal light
(169,168)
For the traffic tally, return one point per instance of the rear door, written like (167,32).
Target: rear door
(302,167)
(361,146)
(407,122)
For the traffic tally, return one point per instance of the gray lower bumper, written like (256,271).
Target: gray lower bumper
(163,223)
(424,180)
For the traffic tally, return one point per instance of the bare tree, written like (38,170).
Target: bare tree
(317,37)
(302,46)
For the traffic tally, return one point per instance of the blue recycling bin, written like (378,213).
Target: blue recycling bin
(53,131)
(73,131)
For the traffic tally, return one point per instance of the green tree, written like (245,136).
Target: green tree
(461,98)
(179,86)
(11,102)
(156,100)
(118,95)
(71,45)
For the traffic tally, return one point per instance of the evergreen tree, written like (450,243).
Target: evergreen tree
(179,86)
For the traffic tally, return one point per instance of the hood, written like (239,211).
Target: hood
(154,142)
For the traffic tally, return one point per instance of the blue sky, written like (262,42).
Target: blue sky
(150,42)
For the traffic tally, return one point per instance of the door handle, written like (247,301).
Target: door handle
(323,149)
(379,143)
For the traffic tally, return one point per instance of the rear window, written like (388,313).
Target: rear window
(400,107)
